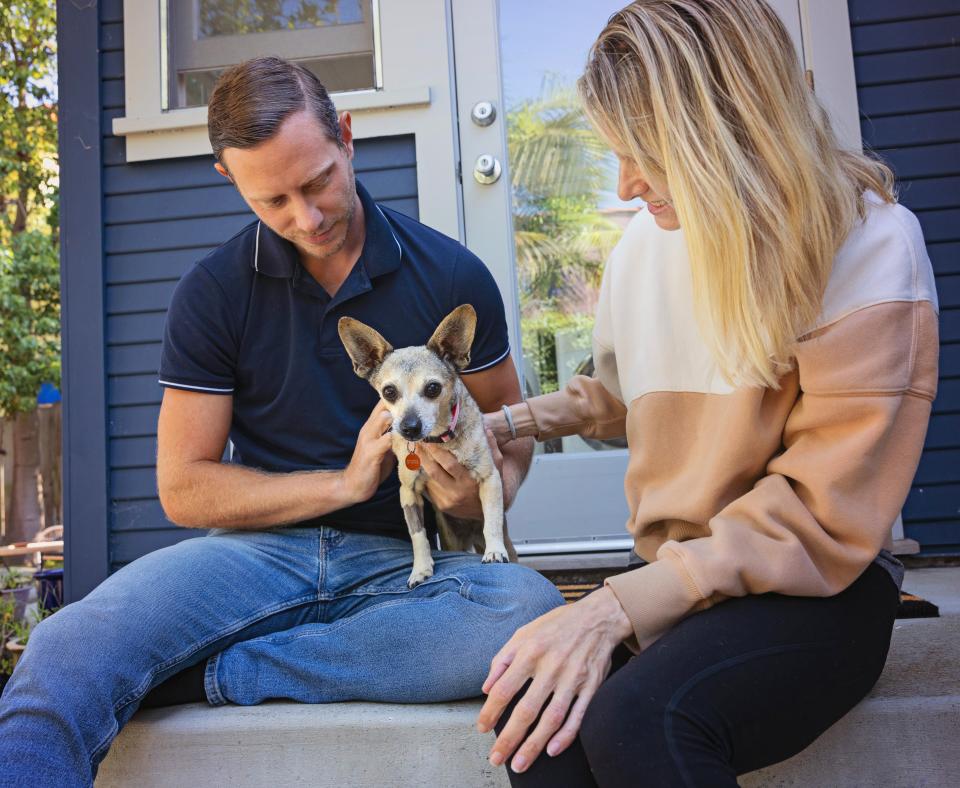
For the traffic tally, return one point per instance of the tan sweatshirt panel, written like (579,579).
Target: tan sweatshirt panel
(691,454)
(822,512)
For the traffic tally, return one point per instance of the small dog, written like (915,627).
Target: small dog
(428,401)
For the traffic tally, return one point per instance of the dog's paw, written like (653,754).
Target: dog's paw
(418,575)
(498,555)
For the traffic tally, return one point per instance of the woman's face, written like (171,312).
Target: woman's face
(635,183)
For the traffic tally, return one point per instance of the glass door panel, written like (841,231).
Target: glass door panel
(566,215)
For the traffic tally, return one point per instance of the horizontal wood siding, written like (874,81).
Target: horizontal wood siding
(160,217)
(907,64)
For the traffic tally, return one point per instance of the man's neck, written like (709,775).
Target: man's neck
(331,272)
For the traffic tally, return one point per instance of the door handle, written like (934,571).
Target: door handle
(487,169)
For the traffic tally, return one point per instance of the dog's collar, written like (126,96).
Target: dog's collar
(445,437)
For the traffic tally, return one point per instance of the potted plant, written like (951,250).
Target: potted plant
(17,584)
(8,629)
(14,634)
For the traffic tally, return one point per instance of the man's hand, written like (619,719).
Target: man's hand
(372,459)
(451,488)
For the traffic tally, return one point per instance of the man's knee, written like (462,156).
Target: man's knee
(524,592)
(62,639)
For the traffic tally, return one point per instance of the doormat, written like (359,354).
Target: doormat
(911,605)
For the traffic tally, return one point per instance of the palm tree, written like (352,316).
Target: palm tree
(559,166)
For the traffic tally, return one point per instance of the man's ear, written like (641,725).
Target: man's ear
(454,336)
(346,132)
(223,171)
(366,348)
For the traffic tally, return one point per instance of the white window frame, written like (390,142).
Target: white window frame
(205,54)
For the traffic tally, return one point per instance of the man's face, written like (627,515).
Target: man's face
(299,183)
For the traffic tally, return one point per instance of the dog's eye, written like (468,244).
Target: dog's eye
(390,393)
(432,390)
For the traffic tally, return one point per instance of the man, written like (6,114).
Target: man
(318,611)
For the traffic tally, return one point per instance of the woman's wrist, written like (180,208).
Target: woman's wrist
(611,612)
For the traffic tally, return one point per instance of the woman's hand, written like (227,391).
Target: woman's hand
(567,654)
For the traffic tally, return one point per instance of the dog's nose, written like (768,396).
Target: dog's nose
(411,427)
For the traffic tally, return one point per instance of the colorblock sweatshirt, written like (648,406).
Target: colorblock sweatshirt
(737,491)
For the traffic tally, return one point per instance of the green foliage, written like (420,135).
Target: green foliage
(558,165)
(540,342)
(9,628)
(30,328)
(13,628)
(240,17)
(29,264)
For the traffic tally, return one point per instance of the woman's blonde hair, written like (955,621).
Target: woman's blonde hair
(709,95)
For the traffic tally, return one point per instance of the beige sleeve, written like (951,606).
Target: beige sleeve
(590,407)
(822,512)
(583,407)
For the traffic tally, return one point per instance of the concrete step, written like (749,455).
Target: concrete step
(904,735)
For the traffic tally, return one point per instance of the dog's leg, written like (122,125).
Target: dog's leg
(491,499)
(449,538)
(511,550)
(412,504)
(459,535)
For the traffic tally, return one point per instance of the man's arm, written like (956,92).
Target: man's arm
(197,490)
(451,488)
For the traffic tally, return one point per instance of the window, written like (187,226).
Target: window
(200,38)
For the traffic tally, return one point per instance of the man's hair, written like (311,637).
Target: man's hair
(252,99)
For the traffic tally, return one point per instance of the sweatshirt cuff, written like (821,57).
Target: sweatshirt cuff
(654,597)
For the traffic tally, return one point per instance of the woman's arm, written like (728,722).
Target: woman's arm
(589,407)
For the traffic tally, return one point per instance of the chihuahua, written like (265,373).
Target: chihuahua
(421,388)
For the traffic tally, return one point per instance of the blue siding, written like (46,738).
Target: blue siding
(907,64)
(159,217)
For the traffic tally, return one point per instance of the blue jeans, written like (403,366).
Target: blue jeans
(316,615)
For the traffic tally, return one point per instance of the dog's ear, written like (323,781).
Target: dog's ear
(454,336)
(367,349)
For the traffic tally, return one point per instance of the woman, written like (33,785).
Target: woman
(772,366)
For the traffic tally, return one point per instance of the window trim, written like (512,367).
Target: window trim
(152,133)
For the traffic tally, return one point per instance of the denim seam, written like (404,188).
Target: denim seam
(210,684)
(339,623)
(377,590)
(142,688)
(698,677)
(104,744)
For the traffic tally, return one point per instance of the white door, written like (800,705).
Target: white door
(546,224)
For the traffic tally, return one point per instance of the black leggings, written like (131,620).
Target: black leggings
(740,686)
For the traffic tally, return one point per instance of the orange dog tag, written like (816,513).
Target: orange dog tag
(412,461)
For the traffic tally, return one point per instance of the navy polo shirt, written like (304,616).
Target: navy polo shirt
(249,320)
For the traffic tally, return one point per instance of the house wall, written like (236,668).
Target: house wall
(907,64)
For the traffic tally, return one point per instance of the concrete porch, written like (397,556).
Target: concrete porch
(903,735)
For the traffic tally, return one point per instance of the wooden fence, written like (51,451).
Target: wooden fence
(49,482)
